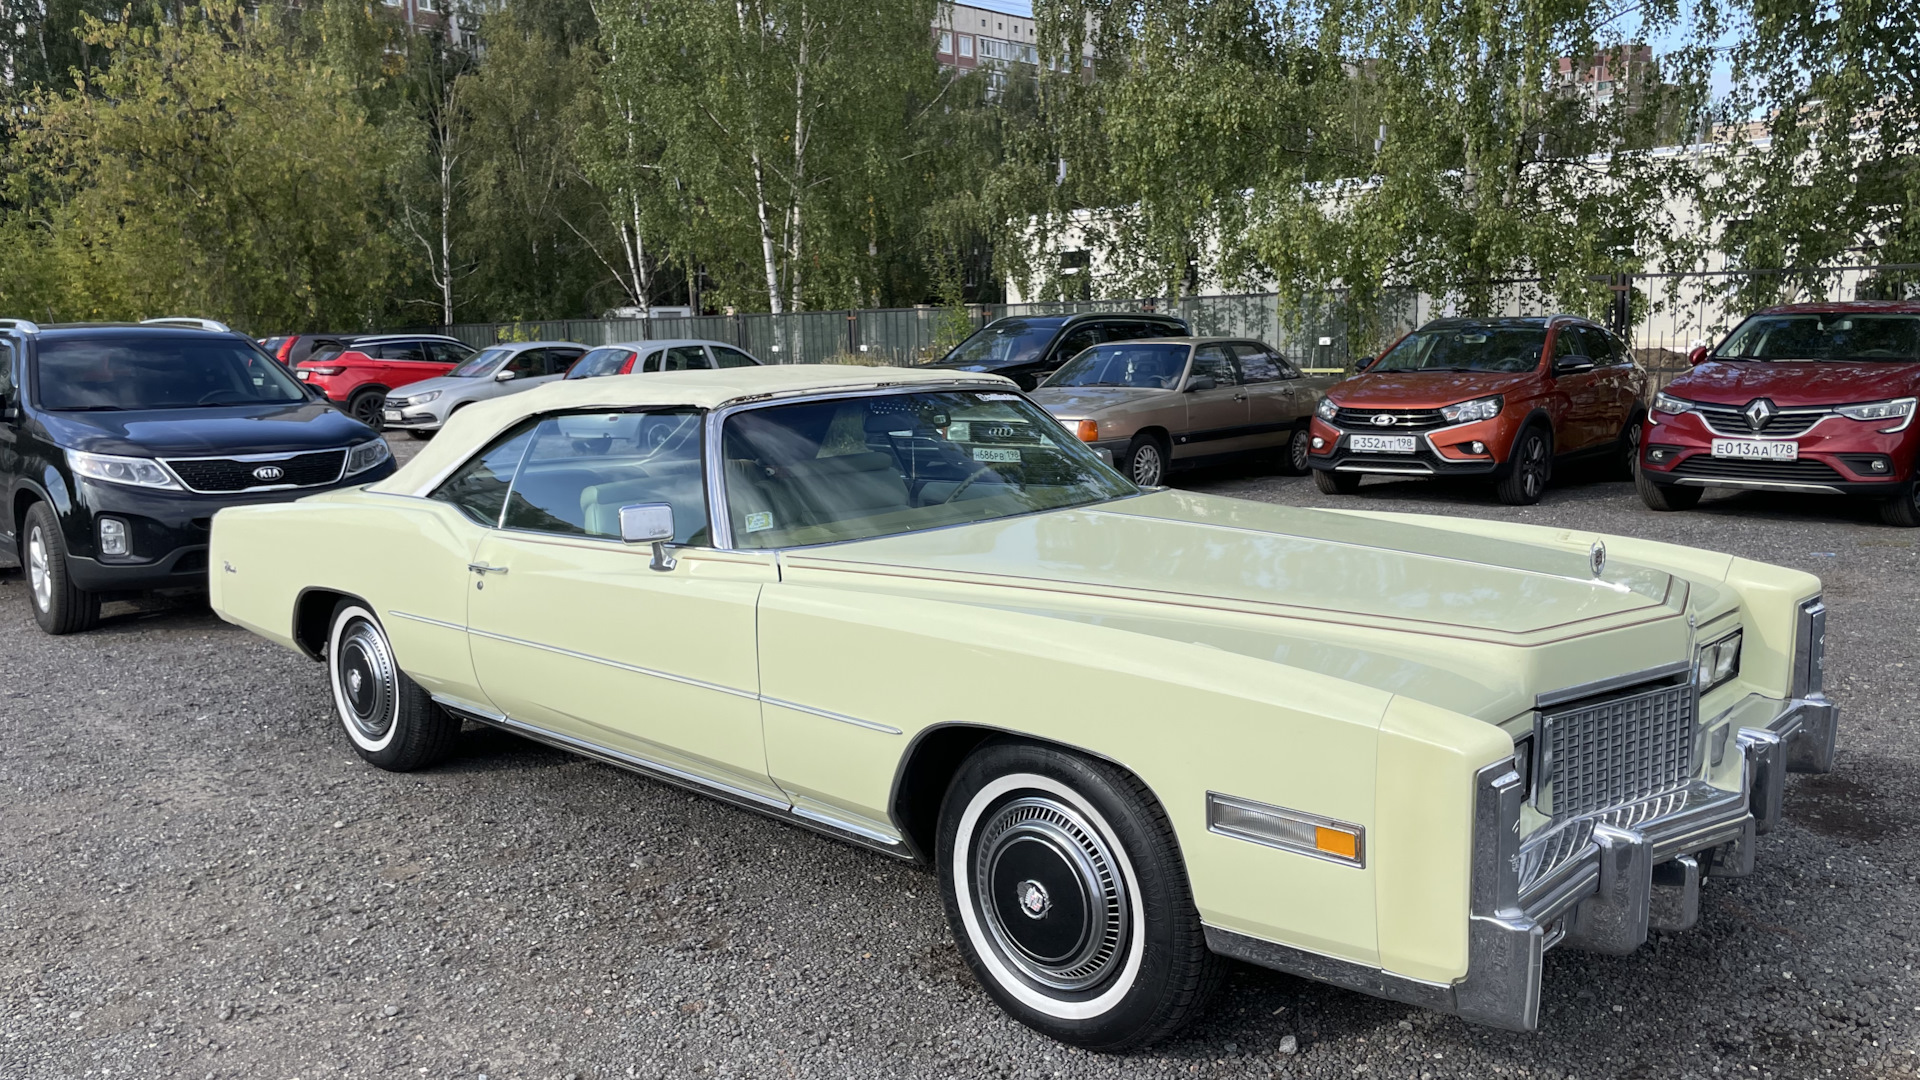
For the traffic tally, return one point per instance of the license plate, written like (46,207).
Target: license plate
(1755,450)
(393,416)
(1381,444)
(987,453)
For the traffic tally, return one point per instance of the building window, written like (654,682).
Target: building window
(423,5)
(946,42)
(966,45)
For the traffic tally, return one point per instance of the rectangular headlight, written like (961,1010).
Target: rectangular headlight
(1717,661)
(367,455)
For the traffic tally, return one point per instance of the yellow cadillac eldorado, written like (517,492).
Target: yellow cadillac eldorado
(1134,731)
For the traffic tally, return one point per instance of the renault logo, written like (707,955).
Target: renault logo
(267,474)
(1759,413)
(1382,419)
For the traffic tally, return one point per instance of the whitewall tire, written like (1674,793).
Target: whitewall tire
(390,719)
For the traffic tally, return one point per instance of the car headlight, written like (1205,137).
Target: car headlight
(367,455)
(421,399)
(1485,408)
(1326,410)
(1717,661)
(1900,409)
(132,471)
(1672,406)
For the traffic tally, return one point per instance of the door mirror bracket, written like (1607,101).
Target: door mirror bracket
(650,523)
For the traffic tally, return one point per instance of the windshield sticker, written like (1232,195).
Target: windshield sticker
(999,397)
(759,521)
(988,453)
(960,431)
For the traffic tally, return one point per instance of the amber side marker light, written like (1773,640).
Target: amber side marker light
(1336,842)
(1088,430)
(1288,830)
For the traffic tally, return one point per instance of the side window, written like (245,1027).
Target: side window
(685,358)
(1214,360)
(527,363)
(730,358)
(583,467)
(480,486)
(446,352)
(1080,337)
(6,368)
(1257,365)
(404,350)
(1601,346)
(1566,341)
(1133,331)
(598,362)
(559,360)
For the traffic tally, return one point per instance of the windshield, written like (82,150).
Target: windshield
(479,364)
(1466,348)
(171,372)
(1833,336)
(1009,341)
(853,468)
(1150,367)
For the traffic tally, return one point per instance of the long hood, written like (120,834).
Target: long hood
(1810,383)
(1193,550)
(1422,389)
(226,429)
(1080,402)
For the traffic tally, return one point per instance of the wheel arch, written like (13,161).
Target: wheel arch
(313,618)
(935,755)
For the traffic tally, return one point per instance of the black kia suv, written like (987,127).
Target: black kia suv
(1028,348)
(118,442)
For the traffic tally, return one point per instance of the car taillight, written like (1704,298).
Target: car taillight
(329,369)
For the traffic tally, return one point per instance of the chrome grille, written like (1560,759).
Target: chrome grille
(1619,749)
(1360,418)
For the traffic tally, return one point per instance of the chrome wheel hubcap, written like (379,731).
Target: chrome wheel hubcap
(1146,465)
(1050,894)
(366,672)
(39,577)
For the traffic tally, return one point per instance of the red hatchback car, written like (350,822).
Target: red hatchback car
(1805,397)
(359,376)
(1497,398)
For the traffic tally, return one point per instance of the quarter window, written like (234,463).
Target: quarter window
(480,488)
(583,467)
(446,352)
(1257,365)
(415,351)
(732,358)
(678,358)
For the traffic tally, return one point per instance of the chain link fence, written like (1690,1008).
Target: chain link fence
(1662,315)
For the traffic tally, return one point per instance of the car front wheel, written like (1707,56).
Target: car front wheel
(1529,469)
(1336,483)
(1903,510)
(392,722)
(1145,462)
(59,606)
(1066,892)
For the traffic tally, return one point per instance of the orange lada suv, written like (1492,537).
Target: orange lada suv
(1499,398)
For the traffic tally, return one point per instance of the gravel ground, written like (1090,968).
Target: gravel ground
(199,879)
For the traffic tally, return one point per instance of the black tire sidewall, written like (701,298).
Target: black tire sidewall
(354,409)
(69,607)
(1513,488)
(1160,896)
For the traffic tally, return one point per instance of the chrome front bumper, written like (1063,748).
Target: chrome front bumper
(1610,879)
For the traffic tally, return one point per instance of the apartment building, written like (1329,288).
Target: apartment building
(990,34)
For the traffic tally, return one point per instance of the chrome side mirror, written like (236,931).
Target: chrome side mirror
(649,523)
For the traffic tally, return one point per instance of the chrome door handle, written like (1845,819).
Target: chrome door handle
(483,569)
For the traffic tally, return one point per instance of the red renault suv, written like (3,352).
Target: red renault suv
(1496,398)
(1805,397)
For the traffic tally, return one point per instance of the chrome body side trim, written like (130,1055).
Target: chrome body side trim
(813,820)
(1635,868)
(635,668)
(885,729)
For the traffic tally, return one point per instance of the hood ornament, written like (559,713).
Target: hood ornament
(1597,557)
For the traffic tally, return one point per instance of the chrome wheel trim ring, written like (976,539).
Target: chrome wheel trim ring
(1051,1003)
(366,685)
(39,569)
(1147,465)
(1085,910)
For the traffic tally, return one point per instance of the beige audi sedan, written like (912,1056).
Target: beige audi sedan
(1157,401)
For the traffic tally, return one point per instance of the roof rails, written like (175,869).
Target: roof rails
(21,325)
(188,320)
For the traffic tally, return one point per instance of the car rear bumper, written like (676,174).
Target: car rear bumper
(1615,875)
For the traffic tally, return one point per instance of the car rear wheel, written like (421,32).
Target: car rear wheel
(59,606)
(392,722)
(1903,510)
(1664,497)
(1066,892)
(368,407)
(1529,469)
(1336,483)
(1630,447)
(1145,462)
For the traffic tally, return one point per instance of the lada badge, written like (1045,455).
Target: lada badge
(1383,420)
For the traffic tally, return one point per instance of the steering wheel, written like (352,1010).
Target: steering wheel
(980,469)
(207,398)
